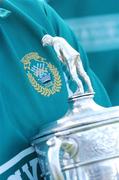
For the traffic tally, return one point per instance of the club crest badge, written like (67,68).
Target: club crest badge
(43,76)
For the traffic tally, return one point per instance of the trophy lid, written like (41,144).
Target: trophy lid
(84,115)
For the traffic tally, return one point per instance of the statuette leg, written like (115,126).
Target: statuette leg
(71,58)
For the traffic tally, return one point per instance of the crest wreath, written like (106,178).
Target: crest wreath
(45,91)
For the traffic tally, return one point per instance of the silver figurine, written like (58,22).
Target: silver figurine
(71,58)
(84,144)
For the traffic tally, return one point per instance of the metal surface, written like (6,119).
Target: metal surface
(84,144)
(71,58)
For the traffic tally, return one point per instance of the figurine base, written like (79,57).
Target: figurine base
(78,96)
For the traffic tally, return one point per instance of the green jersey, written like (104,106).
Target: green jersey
(33,89)
(97,28)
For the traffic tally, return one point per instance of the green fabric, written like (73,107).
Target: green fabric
(96,24)
(74,8)
(29,101)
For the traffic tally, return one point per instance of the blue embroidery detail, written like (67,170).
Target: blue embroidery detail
(41,72)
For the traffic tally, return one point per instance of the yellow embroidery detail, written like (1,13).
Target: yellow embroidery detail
(44,90)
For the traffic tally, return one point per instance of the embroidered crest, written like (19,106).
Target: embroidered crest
(43,76)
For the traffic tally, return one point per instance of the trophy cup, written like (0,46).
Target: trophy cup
(84,144)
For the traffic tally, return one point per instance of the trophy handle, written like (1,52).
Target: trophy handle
(55,144)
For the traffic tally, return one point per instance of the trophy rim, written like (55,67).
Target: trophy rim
(99,119)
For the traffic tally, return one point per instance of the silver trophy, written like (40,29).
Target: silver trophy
(84,144)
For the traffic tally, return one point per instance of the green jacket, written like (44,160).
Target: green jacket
(32,86)
(96,25)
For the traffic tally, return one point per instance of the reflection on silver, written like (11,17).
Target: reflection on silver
(84,144)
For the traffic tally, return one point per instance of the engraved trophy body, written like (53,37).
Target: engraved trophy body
(84,144)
